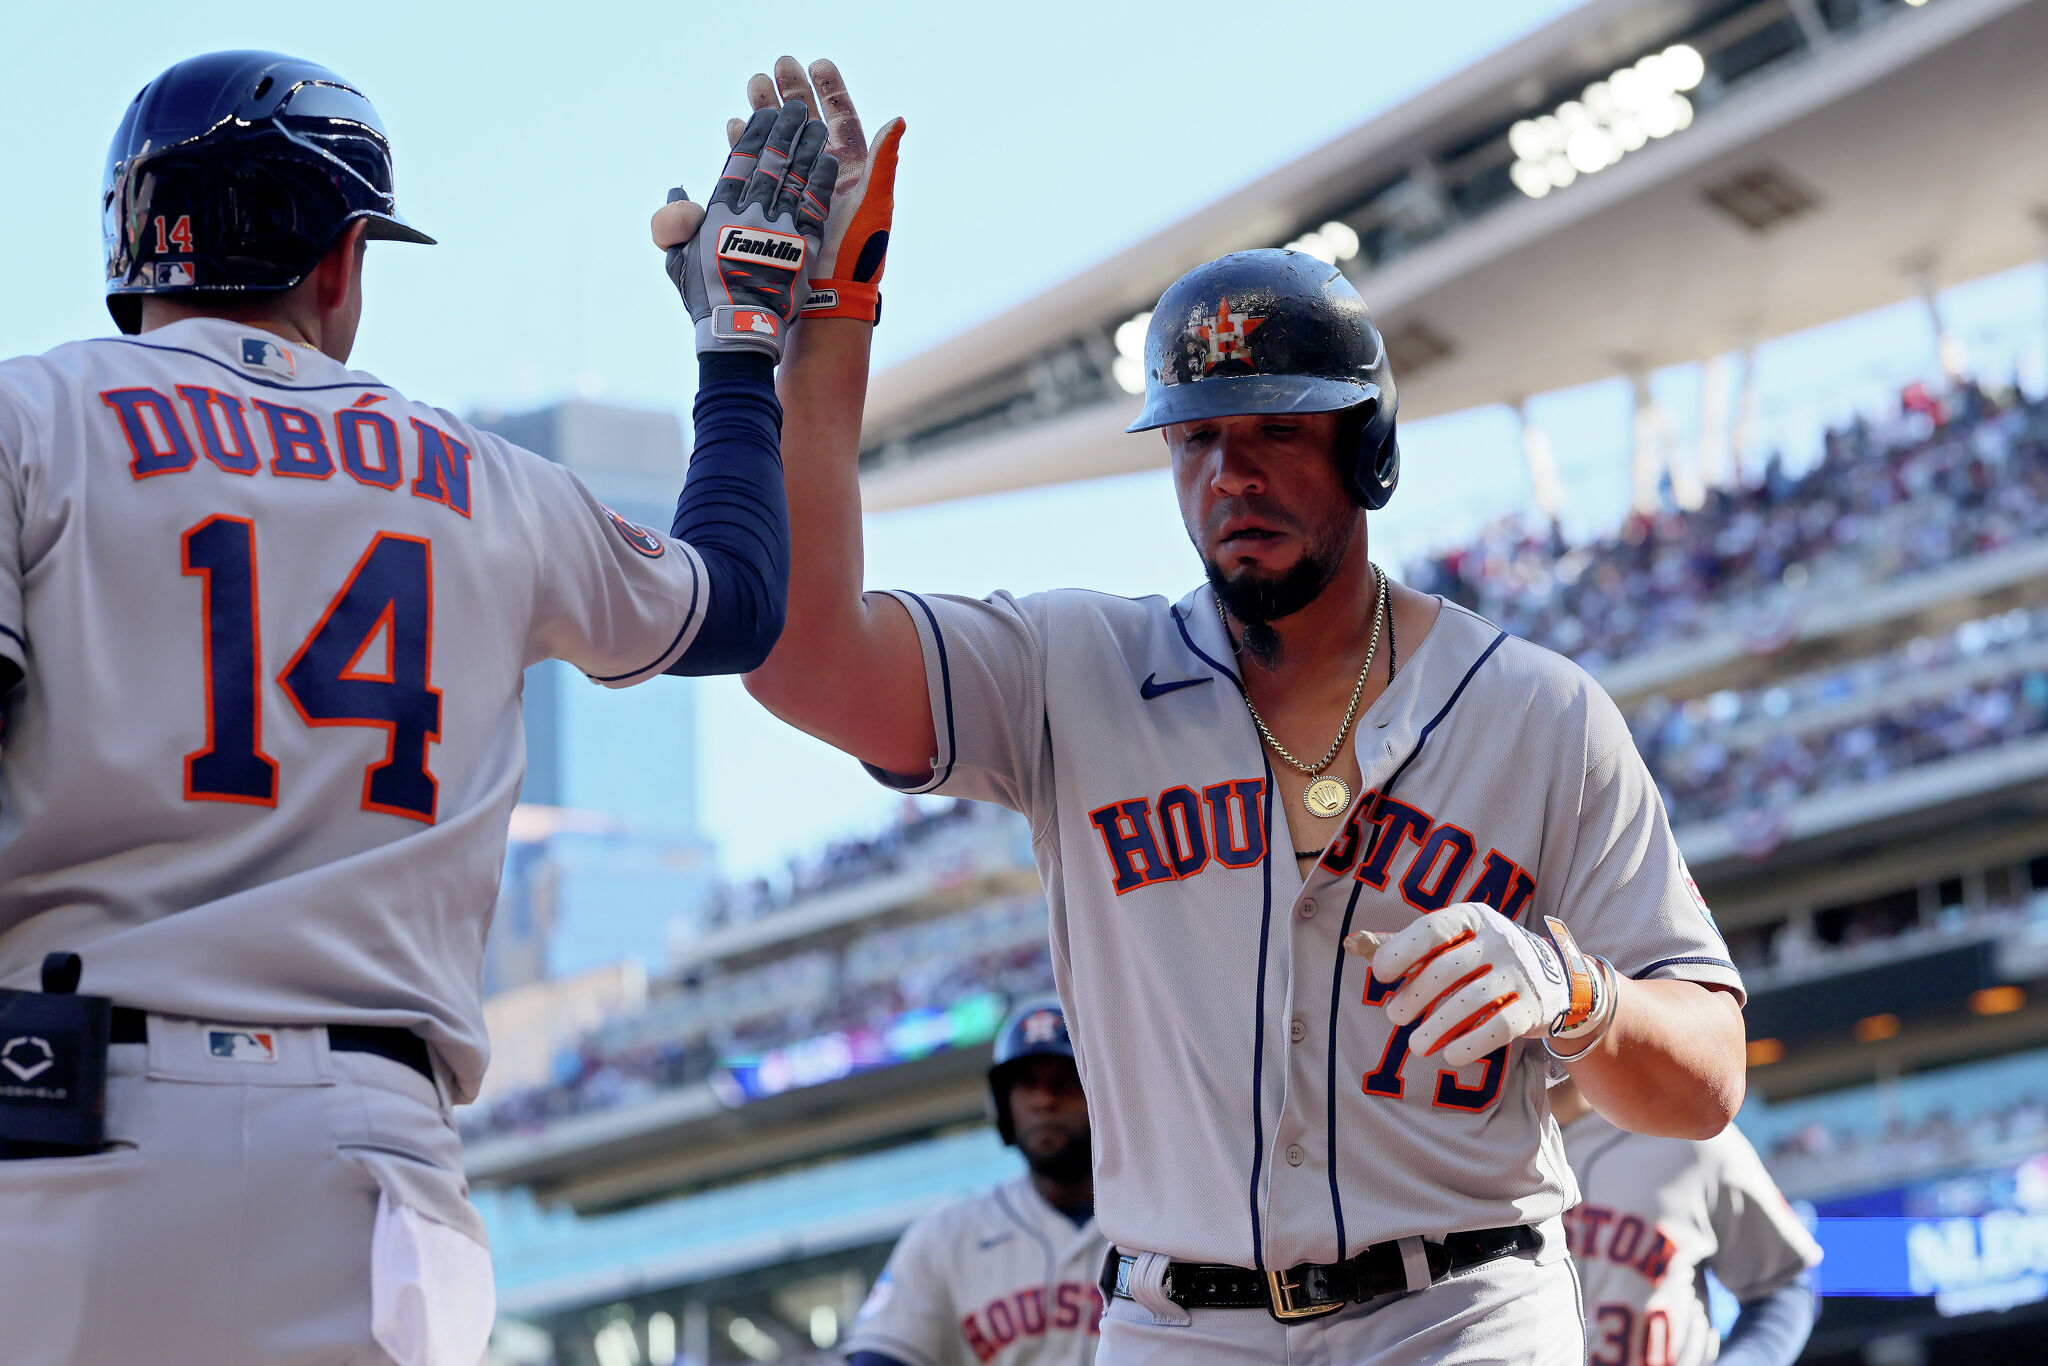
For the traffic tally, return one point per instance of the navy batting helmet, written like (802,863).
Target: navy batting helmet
(1275,332)
(233,173)
(1036,1028)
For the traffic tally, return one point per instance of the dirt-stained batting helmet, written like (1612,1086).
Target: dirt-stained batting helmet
(1275,332)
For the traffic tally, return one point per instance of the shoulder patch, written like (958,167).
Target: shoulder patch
(637,536)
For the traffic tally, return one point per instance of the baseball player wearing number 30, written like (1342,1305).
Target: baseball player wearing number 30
(1296,1159)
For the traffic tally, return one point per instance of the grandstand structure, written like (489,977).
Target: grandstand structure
(1839,677)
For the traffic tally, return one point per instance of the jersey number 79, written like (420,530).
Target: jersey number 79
(389,595)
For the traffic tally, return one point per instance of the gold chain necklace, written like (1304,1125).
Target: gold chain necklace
(1325,797)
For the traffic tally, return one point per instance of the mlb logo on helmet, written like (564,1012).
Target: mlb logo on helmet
(169,273)
(241,1045)
(261,353)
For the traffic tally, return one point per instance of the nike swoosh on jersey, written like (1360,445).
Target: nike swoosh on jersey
(1150,688)
(987,1243)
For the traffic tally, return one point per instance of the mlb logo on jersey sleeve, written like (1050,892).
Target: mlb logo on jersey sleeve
(241,1045)
(262,353)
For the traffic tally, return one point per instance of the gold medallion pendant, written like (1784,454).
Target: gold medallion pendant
(1326,797)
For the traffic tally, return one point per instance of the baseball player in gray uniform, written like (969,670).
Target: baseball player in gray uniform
(1007,1276)
(1235,794)
(263,622)
(1655,1215)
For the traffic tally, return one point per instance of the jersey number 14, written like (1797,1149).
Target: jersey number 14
(389,595)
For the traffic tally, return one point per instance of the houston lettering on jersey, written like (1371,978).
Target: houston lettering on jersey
(1595,1232)
(167,436)
(1177,836)
(1075,1307)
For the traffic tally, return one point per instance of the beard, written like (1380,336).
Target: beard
(1070,1159)
(1258,600)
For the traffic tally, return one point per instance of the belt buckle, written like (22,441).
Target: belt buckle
(1281,1288)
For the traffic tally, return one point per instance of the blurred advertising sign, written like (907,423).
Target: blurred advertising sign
(1975,1243)
(843,1053)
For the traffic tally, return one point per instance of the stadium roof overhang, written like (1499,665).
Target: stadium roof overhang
(1912,148)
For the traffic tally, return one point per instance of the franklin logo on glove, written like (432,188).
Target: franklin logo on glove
(745,244)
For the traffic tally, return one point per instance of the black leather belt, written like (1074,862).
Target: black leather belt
(1310,1291)
(399,1045)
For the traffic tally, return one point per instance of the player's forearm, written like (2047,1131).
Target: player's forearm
(1772,1329)
(732,512)
(1672,1065)
(833,668)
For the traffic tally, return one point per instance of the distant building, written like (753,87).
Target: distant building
(602,884)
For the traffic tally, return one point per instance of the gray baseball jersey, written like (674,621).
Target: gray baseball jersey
(998,1277)
(1251,1103)
(1656,1214)
(274,617)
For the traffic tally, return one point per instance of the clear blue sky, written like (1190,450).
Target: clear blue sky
(534,140)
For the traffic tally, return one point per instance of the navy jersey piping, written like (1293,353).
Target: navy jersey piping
(14,636)
(1351,906)
(945,685)
(252,379)
(1259,1017)
(1045,1246)
(1265,943)
(1182,626)
(1641,973)
(689,620)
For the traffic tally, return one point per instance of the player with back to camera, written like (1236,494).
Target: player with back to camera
(263,623)
(1007,1276)
(1655,1214)
(1234,795)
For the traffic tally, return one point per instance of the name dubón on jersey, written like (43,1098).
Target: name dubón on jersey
(1177,836)
(167,436)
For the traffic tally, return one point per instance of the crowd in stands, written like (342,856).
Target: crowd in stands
(692,1024)
(1709,777)
(1942,479)
(843,863)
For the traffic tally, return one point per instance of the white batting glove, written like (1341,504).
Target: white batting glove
(1474,979)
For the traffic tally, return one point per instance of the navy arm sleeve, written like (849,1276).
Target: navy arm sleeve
(734,514)
(1772,1329)
(871,1359)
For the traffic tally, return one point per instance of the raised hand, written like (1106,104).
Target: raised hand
(846,276)
(745,272)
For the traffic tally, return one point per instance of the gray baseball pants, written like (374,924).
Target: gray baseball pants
(283,1206)
(1509,1311)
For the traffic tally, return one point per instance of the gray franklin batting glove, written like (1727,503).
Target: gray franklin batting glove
(745,274)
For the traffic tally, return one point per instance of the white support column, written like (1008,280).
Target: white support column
(1743,439)
(1948,348)
(1648,458)
(1543,479)
(1714,458)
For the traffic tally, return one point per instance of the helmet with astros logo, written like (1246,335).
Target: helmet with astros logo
(1036,1028)
(1275,332)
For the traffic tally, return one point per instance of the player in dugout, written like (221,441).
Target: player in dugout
(1240,803)
(264,622)
(1005,1277)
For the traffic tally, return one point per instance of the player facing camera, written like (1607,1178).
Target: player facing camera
(1049,1113)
